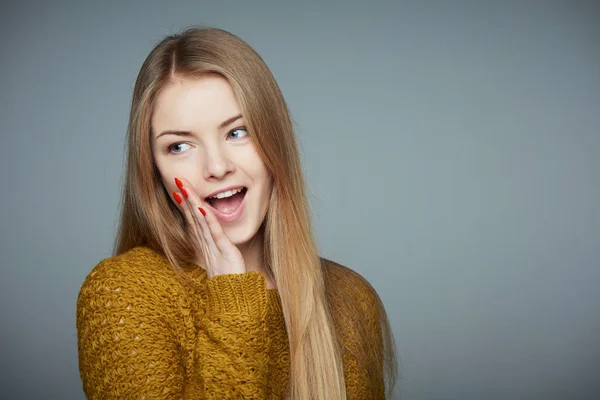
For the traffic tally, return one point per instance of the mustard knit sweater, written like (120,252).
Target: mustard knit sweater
(143,335)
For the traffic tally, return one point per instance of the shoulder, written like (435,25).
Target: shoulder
(139,264)
(347,278)
(139,272)
(345,284)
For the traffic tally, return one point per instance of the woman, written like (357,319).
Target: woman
(216,289)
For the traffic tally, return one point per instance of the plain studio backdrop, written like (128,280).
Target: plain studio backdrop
(452,154)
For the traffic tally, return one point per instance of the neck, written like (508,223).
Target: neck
(254,257)
(253,254)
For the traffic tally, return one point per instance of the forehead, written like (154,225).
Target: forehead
(194,104)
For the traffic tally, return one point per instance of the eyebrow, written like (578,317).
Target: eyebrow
(222,125)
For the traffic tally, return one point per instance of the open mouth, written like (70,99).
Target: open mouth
(227,205)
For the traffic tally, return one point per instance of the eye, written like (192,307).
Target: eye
(171,148)
(241,133)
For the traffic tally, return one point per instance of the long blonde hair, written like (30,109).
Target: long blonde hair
(149,217)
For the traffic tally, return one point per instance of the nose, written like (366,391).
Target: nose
(217,163)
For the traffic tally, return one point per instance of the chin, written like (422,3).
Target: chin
(241,235)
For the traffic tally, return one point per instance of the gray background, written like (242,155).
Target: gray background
(452,152)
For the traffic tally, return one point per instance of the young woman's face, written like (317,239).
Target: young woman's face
(210,147)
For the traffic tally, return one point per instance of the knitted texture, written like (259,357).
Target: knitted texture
(143,335)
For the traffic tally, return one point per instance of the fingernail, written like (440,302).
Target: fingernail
(184,192)
(202,211)
(178,183)
(177,197)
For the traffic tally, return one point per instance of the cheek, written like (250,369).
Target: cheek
(166,176)
(262,175)
(266,189)
(269,186)
(171,169)
(254,167)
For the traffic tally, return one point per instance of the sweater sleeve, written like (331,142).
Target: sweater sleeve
(129,347)
(231,350)
(362,334)
(373,322)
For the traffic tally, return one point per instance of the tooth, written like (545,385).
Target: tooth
(227,193)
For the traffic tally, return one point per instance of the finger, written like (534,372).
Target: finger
(193,202)
(219,236)
(192,224)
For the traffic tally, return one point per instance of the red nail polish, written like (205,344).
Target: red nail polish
(177,197)
(178,183)
(202,211)
(184,192)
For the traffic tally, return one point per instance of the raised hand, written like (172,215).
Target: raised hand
(220,255)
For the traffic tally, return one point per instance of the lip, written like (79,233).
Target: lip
(229,217)
(223,190)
